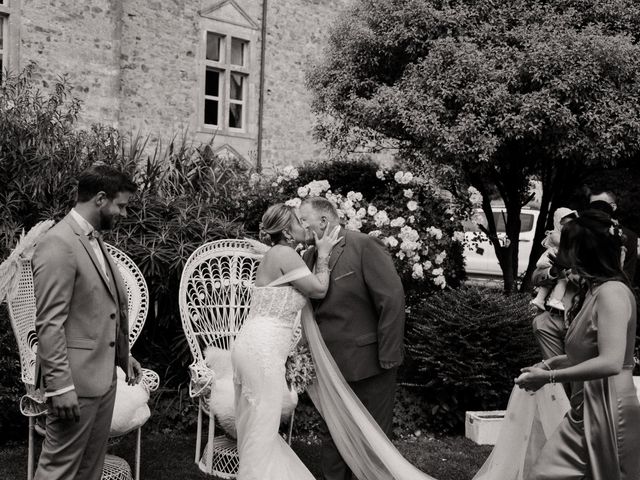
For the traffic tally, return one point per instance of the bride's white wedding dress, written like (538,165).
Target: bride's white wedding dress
(258,358)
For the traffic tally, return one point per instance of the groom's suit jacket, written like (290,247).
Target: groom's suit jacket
(81,319)
(361,318)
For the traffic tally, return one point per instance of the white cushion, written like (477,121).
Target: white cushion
(131,410)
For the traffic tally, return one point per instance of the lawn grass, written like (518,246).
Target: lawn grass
(170,456)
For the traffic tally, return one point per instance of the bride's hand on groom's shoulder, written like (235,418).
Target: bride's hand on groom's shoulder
(532,378)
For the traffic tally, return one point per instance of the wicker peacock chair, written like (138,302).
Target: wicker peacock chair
(22,312)
(215,295)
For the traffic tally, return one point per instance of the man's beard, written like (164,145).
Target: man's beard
(309,238)
(106,221)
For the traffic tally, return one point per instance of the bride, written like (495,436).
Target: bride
(283,286)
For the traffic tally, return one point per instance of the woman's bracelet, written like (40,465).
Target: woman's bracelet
(552,377)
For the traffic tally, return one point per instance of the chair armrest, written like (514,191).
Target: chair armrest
(150,380)
(202,379)
(32,404)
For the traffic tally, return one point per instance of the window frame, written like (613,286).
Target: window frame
(10,18)
(226,69)
(4,31)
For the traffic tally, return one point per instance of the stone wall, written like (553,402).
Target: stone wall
(78,39)
(136,65)
(296,37)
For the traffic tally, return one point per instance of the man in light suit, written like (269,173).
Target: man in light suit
(361,320)
(82,328)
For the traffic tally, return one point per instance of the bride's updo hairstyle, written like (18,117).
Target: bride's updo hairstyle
(275,220)
(591,246)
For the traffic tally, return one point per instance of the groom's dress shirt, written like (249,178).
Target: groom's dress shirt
(92,233)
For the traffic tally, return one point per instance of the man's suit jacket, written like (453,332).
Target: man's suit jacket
(361,318)
(81,319)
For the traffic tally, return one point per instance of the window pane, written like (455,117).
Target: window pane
(211,112)
(1,31)
(236,91)
(238,51)
(212,83)
(214,46)
(235,115)
(526,222)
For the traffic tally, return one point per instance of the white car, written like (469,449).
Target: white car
(479,254)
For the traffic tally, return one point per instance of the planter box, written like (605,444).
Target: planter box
(483,428)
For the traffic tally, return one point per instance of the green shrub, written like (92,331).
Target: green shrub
(465,347)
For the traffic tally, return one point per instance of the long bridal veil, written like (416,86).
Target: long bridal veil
(360,441)
(529,421)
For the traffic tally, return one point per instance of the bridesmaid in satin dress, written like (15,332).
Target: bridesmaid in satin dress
(599,438)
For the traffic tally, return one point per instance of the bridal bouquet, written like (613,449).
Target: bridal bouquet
(300,370)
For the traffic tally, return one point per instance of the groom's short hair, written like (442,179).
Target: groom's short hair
(103,178)
(323,206)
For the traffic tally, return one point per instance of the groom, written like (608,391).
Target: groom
(361,320)
(82,328)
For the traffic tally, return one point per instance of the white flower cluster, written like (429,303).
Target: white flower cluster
(294,202)
(313,189)
(475,197)
(403,177)
(458,237)
(435,232)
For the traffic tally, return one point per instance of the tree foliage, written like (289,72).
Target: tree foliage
(493,94)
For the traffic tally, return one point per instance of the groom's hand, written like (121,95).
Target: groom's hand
(65,406)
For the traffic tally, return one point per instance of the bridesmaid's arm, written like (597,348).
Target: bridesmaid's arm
(559,361)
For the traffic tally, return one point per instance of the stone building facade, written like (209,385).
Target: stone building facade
(231,70)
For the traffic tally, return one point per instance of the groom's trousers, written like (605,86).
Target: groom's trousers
(549,331)
(377,394)
(76,450)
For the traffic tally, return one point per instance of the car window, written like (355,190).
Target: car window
(471,225)
(526,221)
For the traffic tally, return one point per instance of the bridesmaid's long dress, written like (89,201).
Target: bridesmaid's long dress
(599,439)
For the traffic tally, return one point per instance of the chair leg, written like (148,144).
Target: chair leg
(31,453)
(212,429)
(293,414)
(199,432)
(138,451)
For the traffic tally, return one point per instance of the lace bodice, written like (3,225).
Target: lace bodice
(269,326)
(280,304)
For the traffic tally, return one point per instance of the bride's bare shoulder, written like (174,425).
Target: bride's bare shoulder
(279,260)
